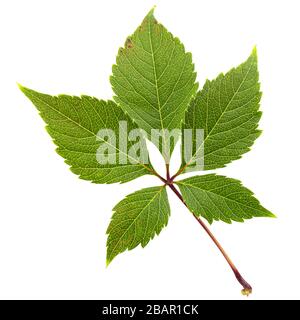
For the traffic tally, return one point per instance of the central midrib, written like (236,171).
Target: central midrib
(91,132)
(219,195)
(134,220)
(156,87)
(228,104)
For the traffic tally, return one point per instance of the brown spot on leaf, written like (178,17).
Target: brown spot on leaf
(128,43)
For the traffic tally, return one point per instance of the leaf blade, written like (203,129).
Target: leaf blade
(136,220)
(227,109)
(73,123)
(216,197)
(152,73)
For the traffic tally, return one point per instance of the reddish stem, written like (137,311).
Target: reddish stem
(247,289)
(168,172)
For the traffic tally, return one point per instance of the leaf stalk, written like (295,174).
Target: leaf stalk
(247,289)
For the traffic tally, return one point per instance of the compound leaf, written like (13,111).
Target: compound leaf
(227,109)
(74,123)
(137,219)
(217,197)
(154,80)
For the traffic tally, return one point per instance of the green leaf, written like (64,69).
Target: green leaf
(154,79)
(227,109)
(73,124)
(220,198)
(137,219)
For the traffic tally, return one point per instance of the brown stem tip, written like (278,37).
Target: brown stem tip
(247,289)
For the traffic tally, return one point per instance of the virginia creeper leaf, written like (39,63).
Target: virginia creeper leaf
(154,79)
(227,109)
(155,90)
(217,197)
(137,219)
(73,124)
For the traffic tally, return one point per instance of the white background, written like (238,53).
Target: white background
(52,225)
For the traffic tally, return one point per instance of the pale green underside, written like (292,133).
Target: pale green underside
(137,219)
(220,198)
(73,124)
(154,78)
(227,109)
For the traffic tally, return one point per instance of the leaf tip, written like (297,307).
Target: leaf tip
(268,214)
(25,90)
(151,12)
(150,15)
(107,262)
(21,87)
(272,215)
(254,52)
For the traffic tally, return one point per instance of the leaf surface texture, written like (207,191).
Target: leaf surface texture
(154,79)
(217,197)
(73,124)
(137,219)
(227,109)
